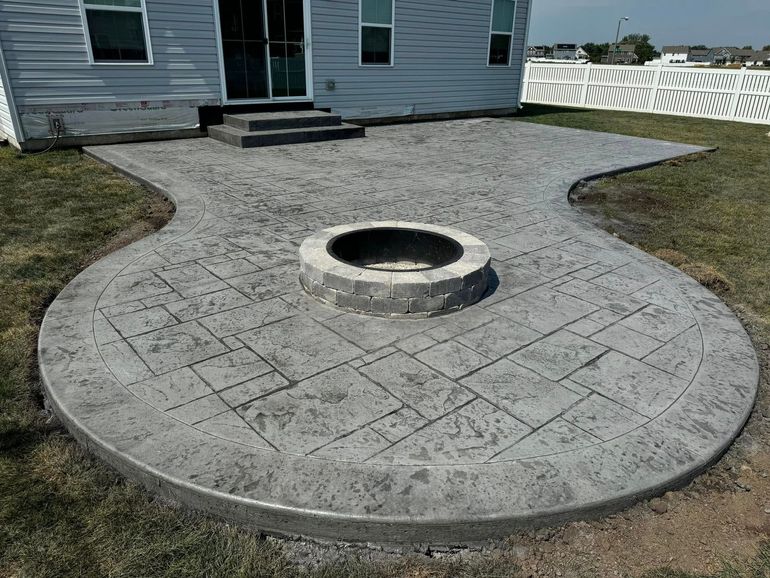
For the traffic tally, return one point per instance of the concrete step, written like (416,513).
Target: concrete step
(259,121)
(247,139)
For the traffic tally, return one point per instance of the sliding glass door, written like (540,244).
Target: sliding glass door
(263,48)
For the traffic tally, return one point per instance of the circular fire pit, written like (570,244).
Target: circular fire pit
(394,269)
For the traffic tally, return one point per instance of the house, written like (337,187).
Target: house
(538,51)
(721,55)
(106,70)
(675,54)
(731,55)
(569,52)
(702,56)
(760,58)
(621,54)
(742,55)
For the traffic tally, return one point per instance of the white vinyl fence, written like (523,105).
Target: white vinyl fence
(741,95)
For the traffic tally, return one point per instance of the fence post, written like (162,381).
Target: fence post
(655,86)
(736,95)
(584,90)
(525,87)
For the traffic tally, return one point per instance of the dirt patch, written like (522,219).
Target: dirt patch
(153,215)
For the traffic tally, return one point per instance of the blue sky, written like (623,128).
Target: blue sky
(710,22)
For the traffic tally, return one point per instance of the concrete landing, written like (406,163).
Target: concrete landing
(590,376)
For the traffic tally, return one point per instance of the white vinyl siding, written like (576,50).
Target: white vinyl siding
(6,124)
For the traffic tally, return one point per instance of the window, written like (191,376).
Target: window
(376,32)
(117,31)
(501,32)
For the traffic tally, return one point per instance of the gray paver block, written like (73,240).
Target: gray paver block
(554,437)
(231,368)
(171,389)
(475,432)
(452,358)
(177,346)
(253,388)
(299,347)
(499,338)
(558,355)
(231,426)
(417,385)
(638,386)
(524,394)
(319,410)
(603,417)
(543,309)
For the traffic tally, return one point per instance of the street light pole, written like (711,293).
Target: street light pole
(617,37)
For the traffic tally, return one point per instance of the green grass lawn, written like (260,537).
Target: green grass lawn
(64,514)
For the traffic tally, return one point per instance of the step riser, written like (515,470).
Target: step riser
(262,140)
(282,123)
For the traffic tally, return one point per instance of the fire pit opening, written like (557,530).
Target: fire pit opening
(392,249)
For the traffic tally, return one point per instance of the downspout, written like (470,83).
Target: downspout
(15,119)
(524,52)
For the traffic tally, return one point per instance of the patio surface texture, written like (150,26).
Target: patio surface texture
(591,375)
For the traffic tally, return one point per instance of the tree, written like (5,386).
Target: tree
(766,48)
(749,47)
(699,47)
(596,51)
(644,50)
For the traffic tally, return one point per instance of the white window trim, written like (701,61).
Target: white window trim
(145,23)
(392,27)
(511,34)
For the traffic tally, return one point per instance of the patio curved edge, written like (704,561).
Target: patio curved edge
(283,494)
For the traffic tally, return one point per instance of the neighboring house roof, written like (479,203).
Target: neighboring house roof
(761,56)
(742,52)
(676,49)
(699,52)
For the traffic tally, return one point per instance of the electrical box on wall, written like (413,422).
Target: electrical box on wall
(56,125)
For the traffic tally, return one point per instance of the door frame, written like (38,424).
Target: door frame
(271,98)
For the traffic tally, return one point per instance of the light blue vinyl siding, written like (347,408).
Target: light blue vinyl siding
(45,51)
(440,60)
(440,65)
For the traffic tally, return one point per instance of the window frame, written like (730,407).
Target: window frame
(391,26)
(510,34)
(142,9)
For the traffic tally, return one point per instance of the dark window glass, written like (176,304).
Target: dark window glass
(116,36)
(499,49)
(375,45)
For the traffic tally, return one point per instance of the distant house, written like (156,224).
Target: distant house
(569,52)
(760,58)
(621,54)
(742,55)
(721,55)
(538,51)
(731,54)
(675,54)
(698,55)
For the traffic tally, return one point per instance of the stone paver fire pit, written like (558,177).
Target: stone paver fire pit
(394,269)
(584,376)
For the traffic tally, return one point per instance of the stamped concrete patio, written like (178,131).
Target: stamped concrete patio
(590,376)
